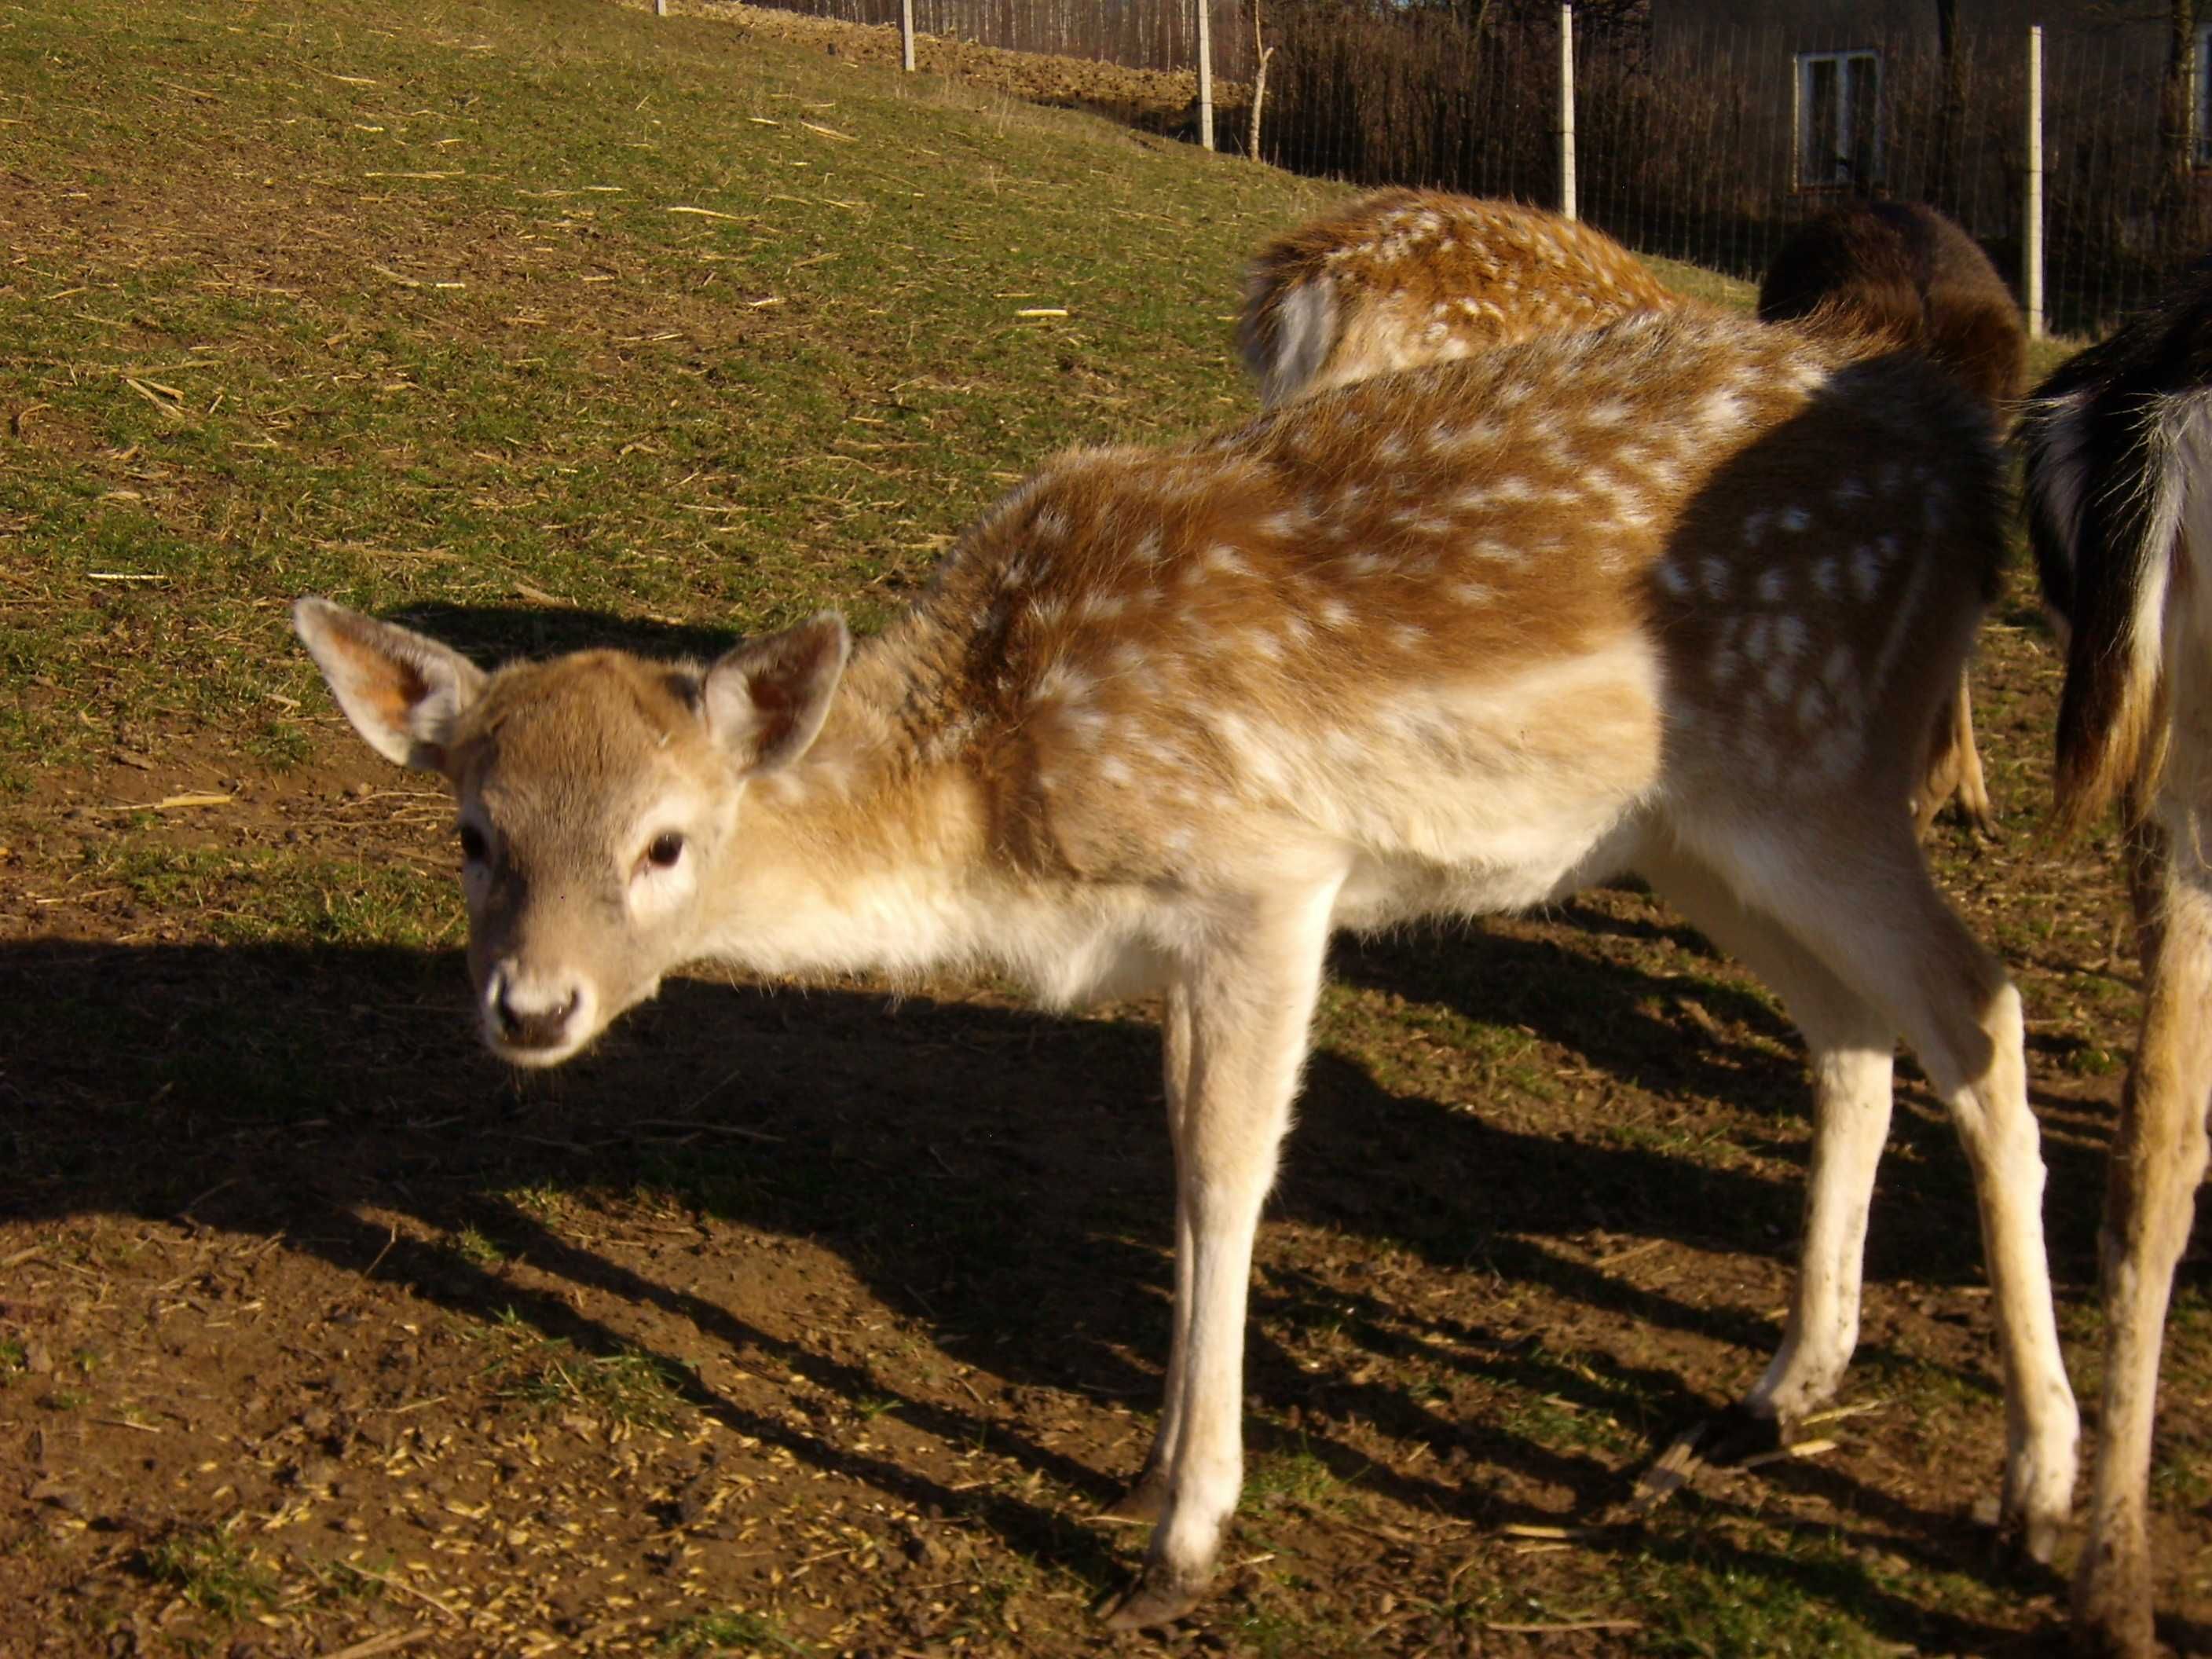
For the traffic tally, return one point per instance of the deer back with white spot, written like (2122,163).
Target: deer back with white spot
(1401,278)
(1529,627)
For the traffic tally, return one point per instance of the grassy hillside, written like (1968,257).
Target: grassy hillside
(474,304)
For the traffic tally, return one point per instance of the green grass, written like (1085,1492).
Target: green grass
(626,1388)
(208,1568)
(707,1635)
(1289,1477)
(1710,286)
(526,381)
(257,896)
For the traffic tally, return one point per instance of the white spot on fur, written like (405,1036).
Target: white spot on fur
(1866,570)
(1061,684)
(1813,705)
(1722,408)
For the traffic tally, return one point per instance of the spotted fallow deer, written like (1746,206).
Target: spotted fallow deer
(2118,449)
(1679,596)
(1902,274)
(1404,278)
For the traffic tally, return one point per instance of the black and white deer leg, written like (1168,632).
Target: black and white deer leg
(2158,1156)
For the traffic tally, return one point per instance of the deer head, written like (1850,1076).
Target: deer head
(599,796)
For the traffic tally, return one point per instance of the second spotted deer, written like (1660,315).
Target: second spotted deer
(1680,597)
(1403,277)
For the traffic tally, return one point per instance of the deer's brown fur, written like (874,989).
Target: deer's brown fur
(1403,277)
(1679,596)
(1900,274)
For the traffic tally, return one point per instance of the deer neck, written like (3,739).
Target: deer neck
(871,853)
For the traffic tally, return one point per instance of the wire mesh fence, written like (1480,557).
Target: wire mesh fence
(1718,141)
(1702,134)
(1146,34)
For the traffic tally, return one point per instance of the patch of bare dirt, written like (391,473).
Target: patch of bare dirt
(820,1322)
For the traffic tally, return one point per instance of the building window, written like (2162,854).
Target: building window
(2200,75)
(1839,97)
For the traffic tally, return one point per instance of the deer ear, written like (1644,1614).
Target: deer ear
(765,701)
(401,692)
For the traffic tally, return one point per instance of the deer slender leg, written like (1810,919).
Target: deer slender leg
(1147,1494)
(2158,1156)
(1251,999)
(1955,767)
(1863,903)
(1851,1046)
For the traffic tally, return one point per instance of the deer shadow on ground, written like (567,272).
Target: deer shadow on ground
(1000,1179)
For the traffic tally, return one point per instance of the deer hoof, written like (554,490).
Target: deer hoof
(1160,1596)
(1147,1500)
(2039,1538)
(2021,1539)
(2113,1610)
(1738,1433)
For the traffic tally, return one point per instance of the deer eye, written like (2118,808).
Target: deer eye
(472,843)
(664,851)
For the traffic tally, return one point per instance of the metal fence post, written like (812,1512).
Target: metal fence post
(2032,217)
(1206,73)
(1567,109)
(660,8)
(906,35)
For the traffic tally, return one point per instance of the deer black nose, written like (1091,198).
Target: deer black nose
(529,1022)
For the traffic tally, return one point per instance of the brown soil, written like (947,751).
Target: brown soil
(291,1267)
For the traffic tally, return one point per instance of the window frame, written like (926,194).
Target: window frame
(2200,97)
(1836,175)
